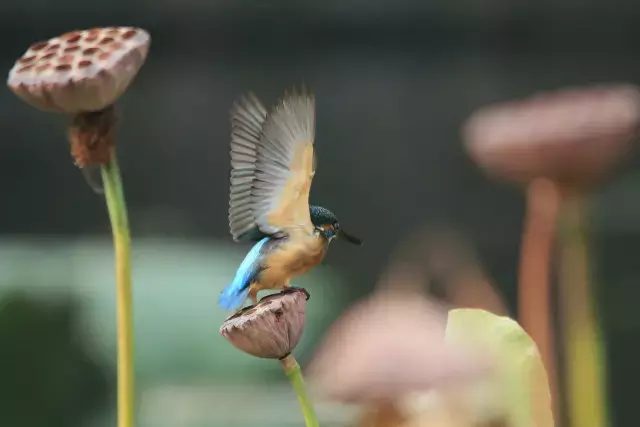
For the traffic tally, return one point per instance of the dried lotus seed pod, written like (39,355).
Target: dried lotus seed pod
(80,71)
(572,136)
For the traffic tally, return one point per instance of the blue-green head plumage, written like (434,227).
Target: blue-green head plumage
(328,225)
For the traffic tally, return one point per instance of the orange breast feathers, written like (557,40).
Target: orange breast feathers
(293,258)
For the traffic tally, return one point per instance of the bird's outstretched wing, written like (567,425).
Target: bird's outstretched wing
(247,118)
(272,175)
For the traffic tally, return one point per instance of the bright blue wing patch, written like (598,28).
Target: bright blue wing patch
(234,295)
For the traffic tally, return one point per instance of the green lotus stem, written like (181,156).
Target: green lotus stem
(122,244)
(584,352)
(294,373)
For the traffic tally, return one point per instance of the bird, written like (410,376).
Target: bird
(273,163)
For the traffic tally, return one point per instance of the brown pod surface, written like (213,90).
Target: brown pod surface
(81,71)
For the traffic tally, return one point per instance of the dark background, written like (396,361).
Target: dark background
(394,82)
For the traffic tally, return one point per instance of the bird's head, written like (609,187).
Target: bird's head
(326,223)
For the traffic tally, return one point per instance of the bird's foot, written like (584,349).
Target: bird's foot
(290,289)
(253,296)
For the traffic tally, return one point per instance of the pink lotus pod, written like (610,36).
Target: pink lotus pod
(570,136)
(388,346)
(80,71)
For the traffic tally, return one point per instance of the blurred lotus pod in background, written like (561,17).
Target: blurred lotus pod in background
(272,328)
(388,345)
(572,136)
(410,362)
(514,394)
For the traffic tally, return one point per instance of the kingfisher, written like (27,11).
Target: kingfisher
(272,165)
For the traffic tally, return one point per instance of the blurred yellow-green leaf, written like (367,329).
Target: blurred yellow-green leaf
(520,384)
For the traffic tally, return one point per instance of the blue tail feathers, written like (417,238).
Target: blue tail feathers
(234,295)
(231,298)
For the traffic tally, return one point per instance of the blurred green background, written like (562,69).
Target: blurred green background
(57,329)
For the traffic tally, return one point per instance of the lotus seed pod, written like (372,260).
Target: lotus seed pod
(572,136)
(272,328)
(80,71)
(389,345)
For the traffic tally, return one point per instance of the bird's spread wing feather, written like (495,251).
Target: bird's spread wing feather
(281,164)
(247,119)
(286,165)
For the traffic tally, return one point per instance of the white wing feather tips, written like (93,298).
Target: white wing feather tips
(247,118)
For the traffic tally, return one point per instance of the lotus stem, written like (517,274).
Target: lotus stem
(534,293)
(294,373)
(122,243)
(585,359)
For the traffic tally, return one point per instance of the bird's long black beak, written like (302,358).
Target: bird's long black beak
(349,238)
